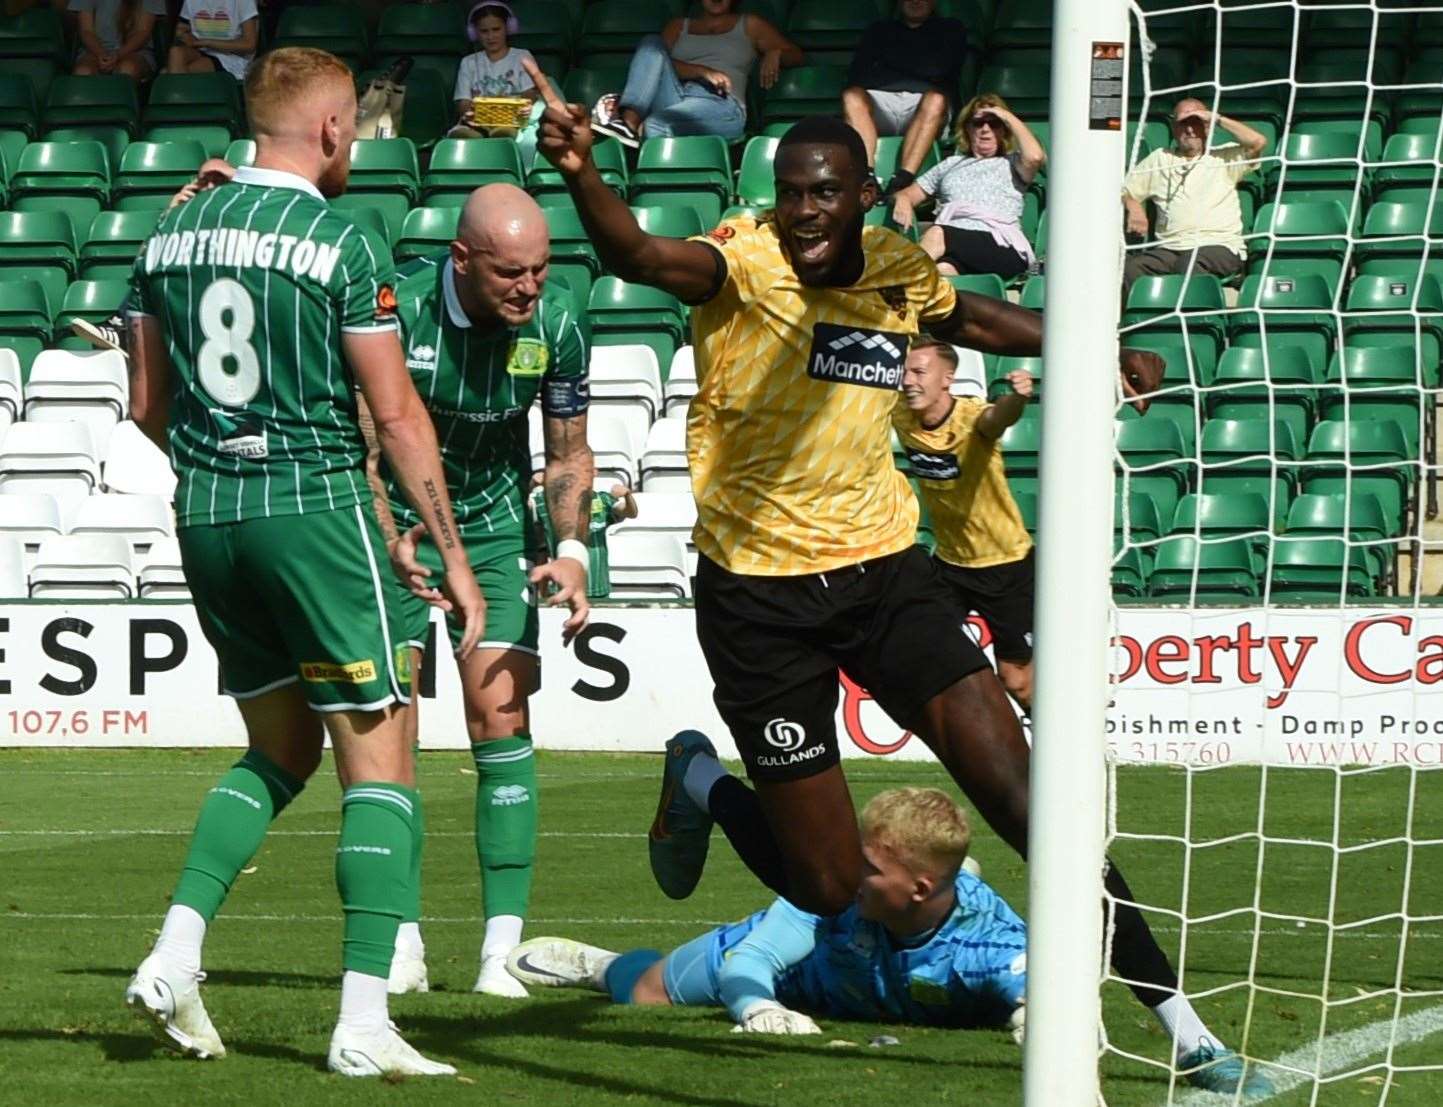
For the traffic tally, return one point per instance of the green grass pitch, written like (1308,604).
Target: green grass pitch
(90,843)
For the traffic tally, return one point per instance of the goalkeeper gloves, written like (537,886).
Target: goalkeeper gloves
(767,1016)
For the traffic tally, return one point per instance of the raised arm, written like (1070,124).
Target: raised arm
(688,270)
(1252,141)
(151,379)
(1006,410)
(406,437)
(1033,156)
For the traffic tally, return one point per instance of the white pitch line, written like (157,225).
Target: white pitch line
(73,916)
(1335,1053)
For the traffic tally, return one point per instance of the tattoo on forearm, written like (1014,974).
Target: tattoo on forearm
(443,517)
(568,501)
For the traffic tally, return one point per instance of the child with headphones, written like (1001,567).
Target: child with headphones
(492,70)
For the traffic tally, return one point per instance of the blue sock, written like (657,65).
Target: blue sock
(623,973)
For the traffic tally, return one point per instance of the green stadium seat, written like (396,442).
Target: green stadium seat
(624,314)
(1332,28)
(1227,515)
(91,101)
(422,29)
(19,110)
(1176,292)
(1136,519)
(339,29)
(425,231)
(1291,310)
(1022,446)
(93,301)
(980,284)
(802,91)
(1410,161)
(1027,88)
(1188,570)
(1301,228)
(1154,455)
(1363,457)
(241,151)
(1184,307)
(386,166)
(1253,381)
(547,29)
(114,139)
(614,26)
(1378,383)
(214,140)
(393,209)
(1025,23)
(1318,571)
(830,28)
(668,222)
(590,84)
(1034,292)
(1395,241)
(610,158)
(194,98)
(1250,455)
(152,172)
(35,33)
(114,238)
(24,309)
(1324,165)
(1397,310)
(1359,518)
(683,164)
(69,178)
(11,145)
(459,166)
(1334,85)
(756,183)
(1129,575)
(570,243)
(374,224)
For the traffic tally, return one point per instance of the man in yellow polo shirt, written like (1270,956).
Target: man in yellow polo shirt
(984,553)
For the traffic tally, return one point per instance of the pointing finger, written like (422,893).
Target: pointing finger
(543,85)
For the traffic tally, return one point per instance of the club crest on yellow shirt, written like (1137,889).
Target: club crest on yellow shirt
(527,357)
(895,297)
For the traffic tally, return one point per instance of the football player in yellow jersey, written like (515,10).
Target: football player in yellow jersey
(984,554)
(807,534)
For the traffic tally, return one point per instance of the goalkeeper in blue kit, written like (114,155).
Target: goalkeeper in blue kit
(926,943)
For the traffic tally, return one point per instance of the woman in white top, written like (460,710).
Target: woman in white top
(215,36)
(692,78)
(494,69)
(979,192)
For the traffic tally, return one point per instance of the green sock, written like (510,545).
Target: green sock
(233,820)
(505,822)
(373,872)
(412,911)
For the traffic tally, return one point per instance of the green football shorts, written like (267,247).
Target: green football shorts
(502,562)
(308,598)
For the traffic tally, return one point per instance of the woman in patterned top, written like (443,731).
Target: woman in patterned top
(979,192)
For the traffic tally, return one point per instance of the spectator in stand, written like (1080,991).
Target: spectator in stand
(903,81)
(114,36)
(215,36)
(692,78)
(1195,192)
(979,193)
(493,70)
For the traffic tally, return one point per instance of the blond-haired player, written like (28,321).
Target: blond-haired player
(926,942)
(255,313)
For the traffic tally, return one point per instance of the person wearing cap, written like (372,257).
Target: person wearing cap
(494,69)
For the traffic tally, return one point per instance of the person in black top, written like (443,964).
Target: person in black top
(903,81)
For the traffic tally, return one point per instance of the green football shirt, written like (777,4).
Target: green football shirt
(253,283)
(478,385)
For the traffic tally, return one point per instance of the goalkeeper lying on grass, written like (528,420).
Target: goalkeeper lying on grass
(926,942)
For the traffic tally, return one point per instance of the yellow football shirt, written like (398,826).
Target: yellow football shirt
(789,434)
(964,483)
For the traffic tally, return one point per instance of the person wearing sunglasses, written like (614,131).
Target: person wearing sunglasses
(978,193)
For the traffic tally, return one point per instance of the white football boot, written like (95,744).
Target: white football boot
(494,980)
(408,973)
(379,1053)
(560,963)
(170,998)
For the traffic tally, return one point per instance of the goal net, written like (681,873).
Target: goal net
(1276,729)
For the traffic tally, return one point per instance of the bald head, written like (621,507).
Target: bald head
(500,255)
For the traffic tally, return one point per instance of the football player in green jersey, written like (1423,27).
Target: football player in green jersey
(485,337)
(256,313)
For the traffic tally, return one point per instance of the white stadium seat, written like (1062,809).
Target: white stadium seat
(135,465)
(12,568)
(141,520)
(12,395)
(161,574)
(614,444)
(663,462)
(54,458)
(681,382)
(626,373)
(30,517)
(83,567)
(92,388)
(971,377)
(671,513)
(647,566)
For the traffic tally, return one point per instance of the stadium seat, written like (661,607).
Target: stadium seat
(1318,571)
(610,156)
(152,172)
(140,520)
(62,168)
(1409,162)
(627,374)
(614,26)
(1250,455)
(1359,457)
(459,166)
(162,576)
(597,78)
(83,567)
(681,383)
(30,517)
(1021,446)
(1137,521)
(1227,515)
(828,31)
(1188,570)
(92,301)
(215,140)
(755,181)
(614,448)
(113,139)
(133,464)
(672,513)
(12,392)
(25,311)
(693,171)
(241,151)
(36,32)
(339,29)
(1292,310)
(980,284)
(547,29)
(804,90)
(426,231)
(647,565)
(89,101)
(1379,383)
(1323,166)
(1153,454)
(1395,240)
(19,110)
(114,238)
(1253,381)
(1359,518)
(1026,88)
(1395,310)
(385,166)
(54,458)
(212,99)
(421,29)
(1300,229)
(623,314)
(391,208)
(14,569)
(664,461)
(667,221)
(1129,575)
(89,388)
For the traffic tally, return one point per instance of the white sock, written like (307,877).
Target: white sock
(598,975)
(701,774)
(1182,1024)
(363,1002)
(408,939)
(181,936)
(503,934)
